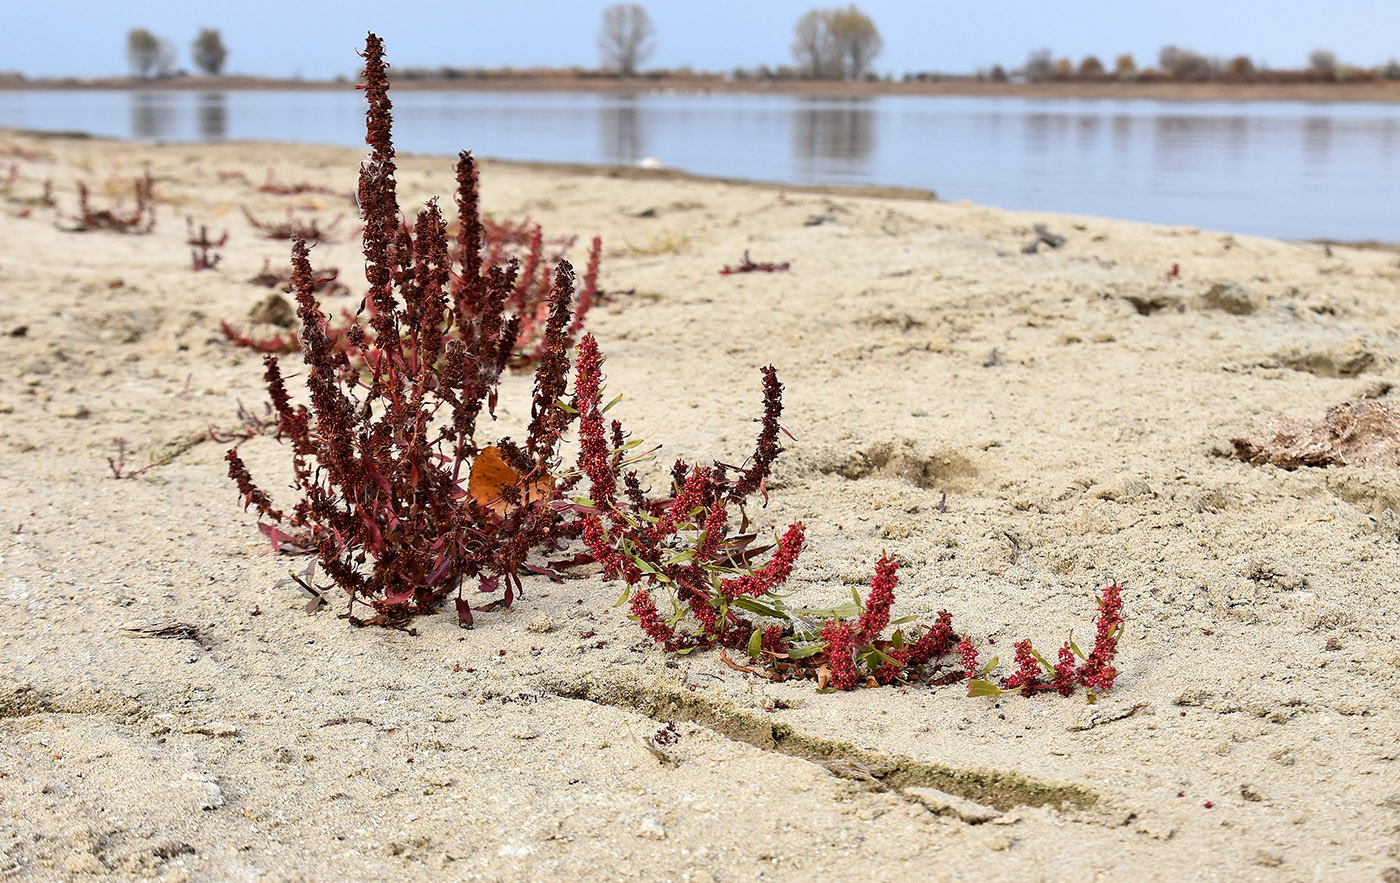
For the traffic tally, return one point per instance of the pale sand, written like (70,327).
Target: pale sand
(1251,735)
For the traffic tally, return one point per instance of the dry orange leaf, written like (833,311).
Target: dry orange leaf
(490,473)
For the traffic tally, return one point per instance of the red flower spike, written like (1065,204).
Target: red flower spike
(840,655)
(879,601)
(969,657)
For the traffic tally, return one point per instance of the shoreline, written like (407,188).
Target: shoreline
(1372,91)
(636,173)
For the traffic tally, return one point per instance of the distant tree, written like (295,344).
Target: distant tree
(998,74)
(1183,64)
(1240,68)
(1323,62)
(812,47)
(143,53)
(1062,70)
(856,40)
(830,43)
(624,41)
(1125,68)
(1039,65)
(1090,68)
(209,52)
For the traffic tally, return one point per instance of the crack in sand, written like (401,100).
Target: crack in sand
(669,702)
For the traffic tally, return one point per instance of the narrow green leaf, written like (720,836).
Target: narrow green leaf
(805,651)
(982,673)
(1049,669)
(608,407)
(582,501)
(755,644)
(983,688)
(567,409)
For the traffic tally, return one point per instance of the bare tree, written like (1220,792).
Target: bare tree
(811,45)
(837,42)
(625,39)
(208,51)
(1184,64)
(856,41)
(1323,61)
(1039,66)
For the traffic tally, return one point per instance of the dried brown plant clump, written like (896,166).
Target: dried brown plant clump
(1365,433)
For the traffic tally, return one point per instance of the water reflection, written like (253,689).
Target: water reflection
(833,140)
(622,139)
(1317,137)
(211,116)
(1273,168)
(152,114)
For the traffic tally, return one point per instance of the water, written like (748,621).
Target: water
(1293,170)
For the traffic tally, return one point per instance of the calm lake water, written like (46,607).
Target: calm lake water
(1294,170)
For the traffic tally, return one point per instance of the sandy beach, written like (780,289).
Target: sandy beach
(1017,429)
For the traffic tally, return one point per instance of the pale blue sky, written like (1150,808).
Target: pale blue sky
(317,38)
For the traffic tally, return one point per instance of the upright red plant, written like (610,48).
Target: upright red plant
(384,451)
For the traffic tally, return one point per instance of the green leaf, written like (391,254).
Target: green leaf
(582,501)
(856,596)
(1074,648)
(805,651)
(685,651)
(983,688)
(567,409)
(753,605)
(755,644)
(681,556)
(903,619)
(626,596)
(608,407)
(1049,669)
(982,672)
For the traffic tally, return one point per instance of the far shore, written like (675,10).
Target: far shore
(1373,90)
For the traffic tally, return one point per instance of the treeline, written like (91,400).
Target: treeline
(1178,65)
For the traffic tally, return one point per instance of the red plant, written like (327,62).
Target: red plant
(277,188)
(325,283)
(748,266)
(1034,674)
(519,245)
(141,219)
(383,454)
(281,343)
(684,549)
(306,229)
(202,254)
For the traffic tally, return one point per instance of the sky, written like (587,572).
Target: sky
(317,39)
